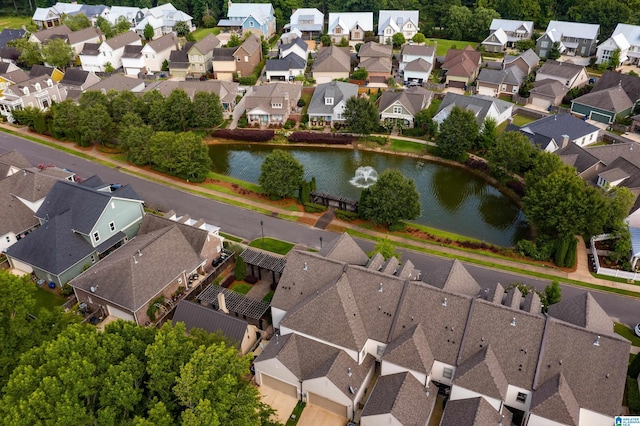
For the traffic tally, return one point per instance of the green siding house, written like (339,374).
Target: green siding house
(79,225)
(603,106)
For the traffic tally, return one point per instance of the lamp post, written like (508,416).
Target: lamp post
(262,228)
(320,243)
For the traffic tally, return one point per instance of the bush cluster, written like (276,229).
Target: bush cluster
(314,208)
(346,215)
(244,135)
(321,138)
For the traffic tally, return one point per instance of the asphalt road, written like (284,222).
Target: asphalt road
(246,224)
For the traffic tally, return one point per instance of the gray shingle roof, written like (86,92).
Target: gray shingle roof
(332,59)
(345,249)
(117,82)
(482,373)
(410,350)
(296,41)
(402,396)
(138,271)
(15,159)
(75,77)
(122,40)
(194,315)
(417,50)
(472,412)
(583,310)
(341,90)
(131,51)
(414,99)
(578,157)
(477,103)
(613,99)
(557,125)
(9,34)
(511,75)
(196,237)
(565,70)
(290,62)
(372,49)
(630,84)
(453,276)
(419,65)
(555,400)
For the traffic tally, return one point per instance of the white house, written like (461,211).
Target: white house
(626,38)
(329,101)
(350,25)
(506,32)
(163,18)
(95,58)
(412,52)
(391,22)
(483,107)
(309,21)
(151,56)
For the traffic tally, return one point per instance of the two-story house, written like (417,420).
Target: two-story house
(403,105)
(37,92)
(150,57)
(79,225)
(162,19)
(349,25)
(328,102)
(291,61)
(626,38)
(95,58)
(416,63)
(461,67)
(309,21)
(412,52)
(505,33)
(258,18)
(570,75)
(331,63)
(272,103)
(376,59)
(133,15)
(391,22)
(200,55)
(248,55)
(573,38)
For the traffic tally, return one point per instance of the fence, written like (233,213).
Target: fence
(633,276)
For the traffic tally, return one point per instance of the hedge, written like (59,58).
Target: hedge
(314,208)
(323,138)
(346,216)
(633,395)
(244,135)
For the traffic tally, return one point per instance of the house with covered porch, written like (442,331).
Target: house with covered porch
(272,103)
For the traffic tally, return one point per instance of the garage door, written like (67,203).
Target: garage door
(540,102)
(456,84)
(118,313)
(279,385)
(327,404)
(487,91)
(602,118)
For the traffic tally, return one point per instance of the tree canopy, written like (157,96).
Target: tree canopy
(392,199)
(361,115)
(458,133)
(281,174)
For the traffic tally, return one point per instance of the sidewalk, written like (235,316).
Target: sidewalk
(580,274)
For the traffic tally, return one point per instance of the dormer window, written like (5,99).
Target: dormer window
(38,87)
(276,105)
(328,101)
(50,83)
(25,90)
(96,236)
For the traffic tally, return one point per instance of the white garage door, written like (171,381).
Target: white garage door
(118,313)
(487,91)
(540,102)
(327,404)
(279,385)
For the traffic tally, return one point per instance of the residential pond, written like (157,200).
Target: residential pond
(452,199)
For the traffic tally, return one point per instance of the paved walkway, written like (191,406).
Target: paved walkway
(581,274)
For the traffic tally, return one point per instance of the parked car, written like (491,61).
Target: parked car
(636,329)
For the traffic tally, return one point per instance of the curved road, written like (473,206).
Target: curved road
(246,224)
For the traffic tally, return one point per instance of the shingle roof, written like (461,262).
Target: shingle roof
(375,50)
(44,35)
(557,125)
(117,82)
(195,315)
(583,310)
(207,44)
(376,64)
(414,99)
(344,248)
(251,44)
(472,412)
(453,276)
(75,77)
(341,91)
(417,50)
(16,159)
(512,75)
(577,157)
(91,49)
(82,35)
(555,400)
(402,396)
(418,65)
(549,88)
(264,96)
(196,237)
(9,34)
(138,271)
(122,40)
(332,59)
(410,350)
(291,62)
(295,42)
(613,99)
(462,62)
(565,70)
(482,373)
(131,51)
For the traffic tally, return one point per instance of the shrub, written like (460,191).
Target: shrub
(321,138)
(251,279)
(314,208)
(245,135)
(305,188)
(240,269)
(561,252)
(301,102)
(248,81)
(67,290)
(397,227)
(290,124)
(346,215)
(634,367)
(516,186)
(243,122)
(414,131)
(476,164)
(228,281)
(633,395)
(570,260)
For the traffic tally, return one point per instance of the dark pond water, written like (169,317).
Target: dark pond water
(452,199)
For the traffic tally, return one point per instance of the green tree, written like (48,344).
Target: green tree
(122,25)
(386,248)
(542,165)
(614,61)
(207,110)
(325,39)
(240,270)
(361,115)
(391,200)
(65,120)
(281,174)
(92,98)
(57,52)
(457,22)
(511,154)
(121,103)
(95,125)
(76,22)
(398,40)
(30,54)
(134,138)
(457,133)
(607,13)
(419,38)
(177,111)
(518,9)
(488,135)
(234,40)
(152,112)
(481,20)
(181,28)
(343,42)
(360,74)
(552,295)
(525,44)
(105,27)
(148,32)
(554,53)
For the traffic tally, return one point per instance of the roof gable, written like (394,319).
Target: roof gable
(482,373)
(402,396)
(583,310)
(410,350)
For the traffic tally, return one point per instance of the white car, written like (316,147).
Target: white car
(636,329)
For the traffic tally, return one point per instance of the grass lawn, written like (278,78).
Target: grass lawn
(240,287)
(230,237)
(307,100)
(406,146)
(243,184)
(627,333)
(201,33)
(14,21)
(272,245)
(268,296)
(295,415)
(443,45)
(46,299)
(518,120)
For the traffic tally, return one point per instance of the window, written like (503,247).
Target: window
(447,373)
(522,397)
(397,110)
(504,87)
(328,101)
(251,24)
(388,31)
(96,236)
(606,55)
(544,44)
(8,239)
(338,30)
(380,350)
(93,258)
(238,58)
(246,58)
(543,53)
(112,226)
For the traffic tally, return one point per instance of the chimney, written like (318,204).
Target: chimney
(565,141)
(222,305)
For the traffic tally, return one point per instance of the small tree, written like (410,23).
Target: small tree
(552,295)
(281,174)
(181,28)
(525,44)
(240,270)
(385,247)
(57,52)
(554,53)
(148,32)
(361,115)
(234,40)
(165,65)
(343,42)
(360,74)
(108,68)
(614,60)
(392,199)
(29,52)
(325,39)
(419,38)
(398,40)
(457,133)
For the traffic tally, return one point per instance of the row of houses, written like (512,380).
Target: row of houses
(376,341)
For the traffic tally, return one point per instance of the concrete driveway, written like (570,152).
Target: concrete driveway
(283,404)
(312,415)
